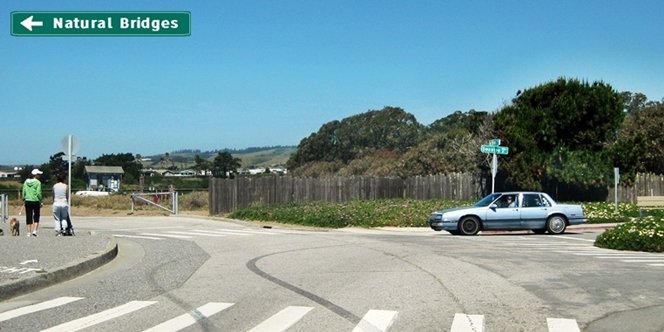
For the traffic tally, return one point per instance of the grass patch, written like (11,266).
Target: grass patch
(378,213)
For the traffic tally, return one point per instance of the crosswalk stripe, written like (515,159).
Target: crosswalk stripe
(467,323)
(627,257)
(573,238)
(282,320)
(546,244)
(376,321)
(190,318)
(194,233)
(219,232)
(562,325)
(138,237)
(600,253)
(169,235)
(101,317)
(373,320)
(249,231)
(37,307)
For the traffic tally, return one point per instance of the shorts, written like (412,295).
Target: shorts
(32,212)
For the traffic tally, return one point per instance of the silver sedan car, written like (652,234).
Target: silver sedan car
(536,211)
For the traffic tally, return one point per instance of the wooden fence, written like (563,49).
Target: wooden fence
(228,195)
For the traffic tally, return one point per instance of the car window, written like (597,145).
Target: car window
(486,201)
(545,201)
(508,201)
(532,200)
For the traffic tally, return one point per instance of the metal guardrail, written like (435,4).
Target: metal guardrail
(156,199)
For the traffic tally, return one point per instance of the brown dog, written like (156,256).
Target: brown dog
(13,225)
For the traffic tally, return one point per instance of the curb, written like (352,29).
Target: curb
(71,271)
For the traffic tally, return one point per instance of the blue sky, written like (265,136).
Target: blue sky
(260,73)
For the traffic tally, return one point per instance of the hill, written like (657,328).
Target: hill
(254,156)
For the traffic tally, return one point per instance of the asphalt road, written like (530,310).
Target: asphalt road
(222,276)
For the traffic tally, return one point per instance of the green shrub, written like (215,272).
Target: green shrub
(604,212)
(638,234)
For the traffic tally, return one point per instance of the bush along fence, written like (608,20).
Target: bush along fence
(227,195)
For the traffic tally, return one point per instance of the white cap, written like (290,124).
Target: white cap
(36,171)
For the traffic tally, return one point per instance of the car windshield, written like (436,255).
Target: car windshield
(487,200)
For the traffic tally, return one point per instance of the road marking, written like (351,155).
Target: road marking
(376,321)
(467,323)
(573,238)
(626,257)
(645,260)
(220,232)
(144,228)
(194,233)
(562,325)
(544,244)
(282,320)
(169,235)
(264,232)
(601,253)
(37,307)
(101,317)
(190,318)
(138,237)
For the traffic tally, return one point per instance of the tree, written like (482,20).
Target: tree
(200,164)
(354,137)
(470,122)
(78,171)
(127,161)
(56,165)
(566,120)
(633,101)
(642,139)
(225,165)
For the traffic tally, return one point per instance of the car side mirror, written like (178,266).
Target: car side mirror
(493,206)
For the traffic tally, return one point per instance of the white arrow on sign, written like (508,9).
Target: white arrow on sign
(28,23)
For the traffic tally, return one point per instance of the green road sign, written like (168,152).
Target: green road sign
(494,149)
(45,24)
(495,142)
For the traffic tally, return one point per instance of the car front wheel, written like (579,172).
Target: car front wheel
(469,226)
(556,225)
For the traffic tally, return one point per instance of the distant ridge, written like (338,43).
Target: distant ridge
(252,156)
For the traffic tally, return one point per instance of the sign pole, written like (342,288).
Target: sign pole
(494,171)
(616,179)
(69,172)
(495,149)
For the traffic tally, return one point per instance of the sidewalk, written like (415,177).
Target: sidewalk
(31,263)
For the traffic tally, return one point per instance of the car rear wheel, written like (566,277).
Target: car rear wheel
(556,225)
(469,226)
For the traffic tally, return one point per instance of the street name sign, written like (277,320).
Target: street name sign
(53,24)
(495,141)
(495,149)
